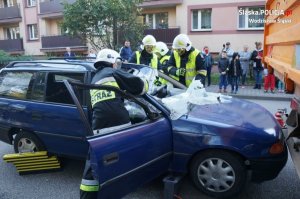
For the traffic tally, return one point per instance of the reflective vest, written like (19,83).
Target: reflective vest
(154,60)
(103,95)
(190,66)
(164,58)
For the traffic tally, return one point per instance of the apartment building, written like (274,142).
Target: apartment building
(32,27)
(207,22)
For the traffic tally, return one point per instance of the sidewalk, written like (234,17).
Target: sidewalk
(249,93)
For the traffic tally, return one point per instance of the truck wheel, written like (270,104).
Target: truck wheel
(218,173)
(27,142)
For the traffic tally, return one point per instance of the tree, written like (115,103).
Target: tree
(104,23)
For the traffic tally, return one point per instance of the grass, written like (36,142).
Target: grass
(215,79)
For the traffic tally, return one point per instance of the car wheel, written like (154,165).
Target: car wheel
(27,142)
(219,174)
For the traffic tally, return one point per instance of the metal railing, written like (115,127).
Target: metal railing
(61,41)
(165,35)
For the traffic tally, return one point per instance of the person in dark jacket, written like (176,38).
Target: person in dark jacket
(258,67)
(146,56)
(235,71)
(69,54)
(223,66)
(109,112)
(126,51)
(208,62)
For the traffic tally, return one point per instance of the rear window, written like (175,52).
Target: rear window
(15,84)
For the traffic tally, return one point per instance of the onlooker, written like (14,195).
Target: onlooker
(280,86)
(208,62)
(269,81)
(235,72)
(245,59)
(69,53)
(228,51)
(126,51)
(258,68)
(223,66)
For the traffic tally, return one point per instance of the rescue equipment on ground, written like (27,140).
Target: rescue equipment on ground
(31,162)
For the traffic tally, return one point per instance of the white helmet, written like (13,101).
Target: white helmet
(149,40)
(161,48)
(182,41)
(107,55)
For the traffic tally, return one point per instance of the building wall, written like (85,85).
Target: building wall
(224,24)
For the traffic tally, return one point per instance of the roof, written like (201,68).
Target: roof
(52,65)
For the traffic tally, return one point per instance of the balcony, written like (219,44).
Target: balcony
(164,35)
(12,45)
(52,8)
(10,15)
(160,3)
(60,42)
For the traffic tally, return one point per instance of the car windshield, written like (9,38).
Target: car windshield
(178,100)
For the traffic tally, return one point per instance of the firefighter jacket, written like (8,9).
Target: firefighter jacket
(192,61)
(142,57)
(108,106)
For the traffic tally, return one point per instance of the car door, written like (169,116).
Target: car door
(54,117)
(126,159)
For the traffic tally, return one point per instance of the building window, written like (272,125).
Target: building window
(251,18)
(12,33)
(6,3)
(201,19)
(33,32)
(31,3)
(156,20)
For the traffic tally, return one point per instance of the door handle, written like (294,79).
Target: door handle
(17,107)
(110,159)
(36,116)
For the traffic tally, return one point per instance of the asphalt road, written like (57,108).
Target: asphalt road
(65,184)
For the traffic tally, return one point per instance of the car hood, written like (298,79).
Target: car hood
(240,113)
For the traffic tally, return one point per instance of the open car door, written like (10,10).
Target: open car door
(124,159)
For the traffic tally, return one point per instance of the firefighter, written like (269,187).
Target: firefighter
(163,53)
(109,112)
(146,56)
(186,62)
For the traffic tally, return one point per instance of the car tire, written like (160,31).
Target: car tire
(27,142)
(219,174)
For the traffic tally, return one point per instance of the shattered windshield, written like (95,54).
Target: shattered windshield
(180,101)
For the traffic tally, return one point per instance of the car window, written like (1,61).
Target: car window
(38,87)
(56,90)
(15,84)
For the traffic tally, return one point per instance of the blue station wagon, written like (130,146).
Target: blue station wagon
(45,105)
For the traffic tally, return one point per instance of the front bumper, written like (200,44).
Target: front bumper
(268,169)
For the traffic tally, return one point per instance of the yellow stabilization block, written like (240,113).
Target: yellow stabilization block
(32,161)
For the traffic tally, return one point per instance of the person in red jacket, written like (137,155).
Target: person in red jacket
(269,81)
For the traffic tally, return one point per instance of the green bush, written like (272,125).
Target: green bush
(5,58)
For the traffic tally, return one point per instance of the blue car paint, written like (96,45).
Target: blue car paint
(147,146)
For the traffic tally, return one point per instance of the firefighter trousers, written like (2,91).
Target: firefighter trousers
(89,185)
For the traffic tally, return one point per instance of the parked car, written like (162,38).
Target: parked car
(215,143)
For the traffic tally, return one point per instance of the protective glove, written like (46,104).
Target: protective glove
(157,82)
(180,72)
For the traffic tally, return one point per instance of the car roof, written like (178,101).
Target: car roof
(52,65)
